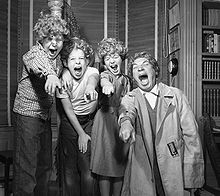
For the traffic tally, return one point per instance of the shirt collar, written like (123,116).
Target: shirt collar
(154,90)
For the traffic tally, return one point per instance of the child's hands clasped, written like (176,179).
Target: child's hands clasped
(83,142)
(90,94)
(51,84)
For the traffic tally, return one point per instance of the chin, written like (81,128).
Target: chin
(116,73)
(53,56)
(78,77)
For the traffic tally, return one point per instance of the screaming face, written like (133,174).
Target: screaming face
(77,63)
(113,63)
(144,74)
(53,45)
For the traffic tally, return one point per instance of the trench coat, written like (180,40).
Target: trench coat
(177,145)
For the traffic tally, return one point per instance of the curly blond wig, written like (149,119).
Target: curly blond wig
(111,46)
(48,25)
(77,43)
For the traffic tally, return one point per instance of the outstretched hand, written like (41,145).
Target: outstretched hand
(90,94)
(51,84)
(67,80)
(127,132)
(108,89)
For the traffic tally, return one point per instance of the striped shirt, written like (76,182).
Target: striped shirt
(31,98)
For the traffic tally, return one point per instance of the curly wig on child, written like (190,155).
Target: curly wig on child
(111,46)
(76,43)
(48,25)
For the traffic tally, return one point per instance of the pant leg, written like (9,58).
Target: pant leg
(69,173)
(44,160)
(27,147)
(77,177)
(87,179)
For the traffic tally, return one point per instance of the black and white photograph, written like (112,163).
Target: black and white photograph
(110,98)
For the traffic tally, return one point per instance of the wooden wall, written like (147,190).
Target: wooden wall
(8,59)
(8,73)
(3,61)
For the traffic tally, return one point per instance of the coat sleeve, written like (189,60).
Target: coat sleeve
(193,162)
(127,108)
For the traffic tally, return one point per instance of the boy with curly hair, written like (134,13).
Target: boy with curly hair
(108,157)
(33,104)
(77,114)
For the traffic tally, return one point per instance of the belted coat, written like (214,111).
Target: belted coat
(177,144)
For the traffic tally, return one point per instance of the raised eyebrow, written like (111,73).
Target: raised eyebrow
(134,64)
(146,61)
(81,57)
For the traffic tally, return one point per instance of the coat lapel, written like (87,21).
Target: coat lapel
(164,104)
(145,124)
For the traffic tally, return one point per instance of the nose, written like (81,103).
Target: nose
(112,60)
(77,61)
(140,68)
(54,42)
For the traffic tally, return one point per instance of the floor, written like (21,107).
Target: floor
(54,190)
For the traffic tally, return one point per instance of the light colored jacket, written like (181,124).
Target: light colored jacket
(177,144)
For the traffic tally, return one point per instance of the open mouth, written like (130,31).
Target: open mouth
(143,77)
(78,69)
(52,52)
(114,67)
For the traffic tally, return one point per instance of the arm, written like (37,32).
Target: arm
(83,137)
(193,154)
(107,86)
(67,79)
(127,115)
(51,84)
(36,62)
(90,92)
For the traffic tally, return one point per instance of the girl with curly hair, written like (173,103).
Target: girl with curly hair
(109,153)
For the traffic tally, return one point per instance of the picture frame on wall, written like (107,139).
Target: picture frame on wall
(174,40)
(174,16)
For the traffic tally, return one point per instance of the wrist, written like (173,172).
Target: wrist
(125,119)
(81,133)
(90,87)
(50,75)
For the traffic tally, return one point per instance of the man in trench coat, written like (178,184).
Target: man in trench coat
(165,156)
